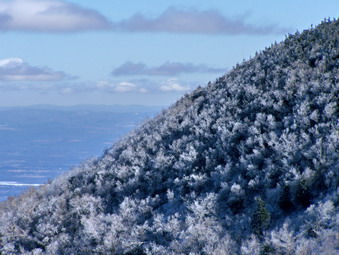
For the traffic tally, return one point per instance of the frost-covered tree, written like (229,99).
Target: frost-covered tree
(186,182)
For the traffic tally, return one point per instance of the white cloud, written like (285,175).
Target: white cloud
(143,90)
(67,91)
(172,85)
(15,69)
(10,61)
(124,87)
(49,16)
(120,87)
(72,88)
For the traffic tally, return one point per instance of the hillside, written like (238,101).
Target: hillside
(246,165)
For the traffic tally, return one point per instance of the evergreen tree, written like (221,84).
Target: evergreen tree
(303,193)
(261,217)
(285,199)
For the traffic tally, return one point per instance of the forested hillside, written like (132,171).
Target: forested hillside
(246,165)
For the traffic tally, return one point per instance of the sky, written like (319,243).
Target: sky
(150,52)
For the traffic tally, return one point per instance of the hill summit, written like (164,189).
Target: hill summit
(246,165)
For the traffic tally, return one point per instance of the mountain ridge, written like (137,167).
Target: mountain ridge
(87,107)
(246,165)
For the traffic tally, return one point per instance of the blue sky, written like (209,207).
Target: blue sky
(135,52)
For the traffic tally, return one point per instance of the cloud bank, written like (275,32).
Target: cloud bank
(193,21)
(48,16)
(60,16)
(120,87)
(173,85)
(15,69)
(166,69)
(141,86)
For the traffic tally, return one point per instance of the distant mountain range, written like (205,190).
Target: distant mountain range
(246,165)
(90,107)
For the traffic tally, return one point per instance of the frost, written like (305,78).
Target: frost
(245,165)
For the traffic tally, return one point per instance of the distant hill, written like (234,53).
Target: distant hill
(246,165)
(91,108)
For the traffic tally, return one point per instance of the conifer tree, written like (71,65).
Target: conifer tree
(285,200)
(261,217)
